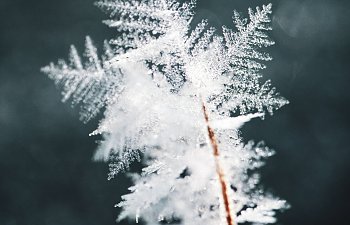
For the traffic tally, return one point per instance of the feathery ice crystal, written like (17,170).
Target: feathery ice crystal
(177,96)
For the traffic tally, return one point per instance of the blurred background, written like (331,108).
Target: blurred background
(47,176)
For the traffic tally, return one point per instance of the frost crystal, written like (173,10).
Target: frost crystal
(176,97)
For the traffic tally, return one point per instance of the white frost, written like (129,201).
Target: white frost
(233,122)
(151,81)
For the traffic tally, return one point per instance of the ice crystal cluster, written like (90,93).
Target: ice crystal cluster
(163,83)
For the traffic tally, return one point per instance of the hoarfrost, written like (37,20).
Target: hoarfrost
(155,80)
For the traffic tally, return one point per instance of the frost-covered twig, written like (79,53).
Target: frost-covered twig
(149,80)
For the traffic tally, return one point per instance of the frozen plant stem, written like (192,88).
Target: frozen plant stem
(219,170)
(159,66)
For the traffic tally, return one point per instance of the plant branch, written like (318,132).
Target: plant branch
(219,170)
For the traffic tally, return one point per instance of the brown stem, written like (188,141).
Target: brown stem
(219,170)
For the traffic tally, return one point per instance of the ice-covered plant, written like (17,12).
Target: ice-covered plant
(176,97)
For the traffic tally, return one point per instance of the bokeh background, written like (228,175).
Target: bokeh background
(47,176)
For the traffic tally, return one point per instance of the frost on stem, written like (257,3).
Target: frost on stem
(150,80)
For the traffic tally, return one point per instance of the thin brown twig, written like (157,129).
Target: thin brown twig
(219,170)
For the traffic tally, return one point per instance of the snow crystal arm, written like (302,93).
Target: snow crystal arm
(203,42)
(263,213)
(242,49)
(233,123)
(249,97)
(140,22)
(91,84)
(195,35)
(243,46)
(156,9)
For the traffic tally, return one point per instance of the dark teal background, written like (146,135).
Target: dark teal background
(46,173)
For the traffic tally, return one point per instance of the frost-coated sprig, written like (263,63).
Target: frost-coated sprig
(176,97)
